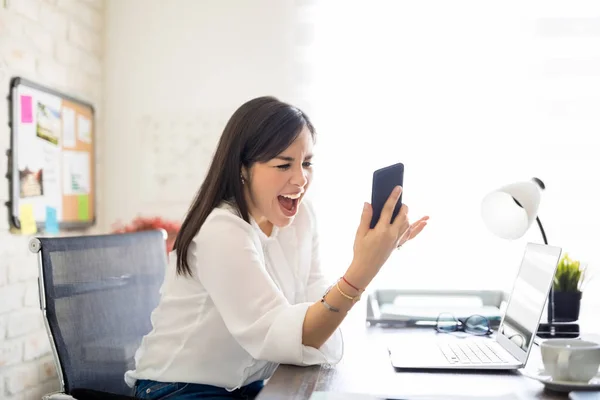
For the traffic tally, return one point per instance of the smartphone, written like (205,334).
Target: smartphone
(384,181)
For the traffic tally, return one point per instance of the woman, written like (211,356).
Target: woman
(244,291)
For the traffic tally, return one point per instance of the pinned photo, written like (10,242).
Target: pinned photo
(30,182)
(48,123)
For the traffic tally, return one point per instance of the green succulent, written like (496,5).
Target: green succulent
(569,275)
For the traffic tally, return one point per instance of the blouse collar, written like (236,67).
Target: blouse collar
(263,236)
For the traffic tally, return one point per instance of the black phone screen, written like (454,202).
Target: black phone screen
(384,181)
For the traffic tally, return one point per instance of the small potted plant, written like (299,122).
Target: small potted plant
(569,281)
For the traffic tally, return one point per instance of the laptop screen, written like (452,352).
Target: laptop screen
(529,295)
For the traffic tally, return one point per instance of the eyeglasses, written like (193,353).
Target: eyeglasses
(474,325)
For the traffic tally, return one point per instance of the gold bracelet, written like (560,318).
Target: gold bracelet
(352,299)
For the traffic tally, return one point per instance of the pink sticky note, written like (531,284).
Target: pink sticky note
(26,110)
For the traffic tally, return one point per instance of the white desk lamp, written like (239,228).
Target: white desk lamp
(509,212)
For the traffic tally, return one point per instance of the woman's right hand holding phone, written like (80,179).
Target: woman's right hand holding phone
(372,247)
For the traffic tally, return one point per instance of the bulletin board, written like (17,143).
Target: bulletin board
(51,159)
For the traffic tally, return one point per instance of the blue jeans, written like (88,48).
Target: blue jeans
(153,390)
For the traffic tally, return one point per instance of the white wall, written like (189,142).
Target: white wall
(58,44)
(175,71)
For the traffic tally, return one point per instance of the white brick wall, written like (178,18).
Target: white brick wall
(57,43)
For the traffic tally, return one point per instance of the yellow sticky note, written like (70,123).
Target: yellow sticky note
(28,225)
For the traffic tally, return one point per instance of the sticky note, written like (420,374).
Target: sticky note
(27,219)
(83,207)
(51,225)
(26,110)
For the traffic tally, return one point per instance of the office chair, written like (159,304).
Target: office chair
(97,294)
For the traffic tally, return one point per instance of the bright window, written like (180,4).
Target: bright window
(470,95)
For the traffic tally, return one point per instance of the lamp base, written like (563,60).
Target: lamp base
(558,330)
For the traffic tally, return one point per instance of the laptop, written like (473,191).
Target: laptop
(510,346)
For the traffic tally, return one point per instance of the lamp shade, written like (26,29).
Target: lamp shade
(509,211)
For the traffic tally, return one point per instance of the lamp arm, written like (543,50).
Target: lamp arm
(541,229)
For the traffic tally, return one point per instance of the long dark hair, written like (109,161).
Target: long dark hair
(258,131)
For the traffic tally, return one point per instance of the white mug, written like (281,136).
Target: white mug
(571,360)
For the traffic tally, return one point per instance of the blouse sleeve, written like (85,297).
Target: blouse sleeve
(333,348)
(228,263)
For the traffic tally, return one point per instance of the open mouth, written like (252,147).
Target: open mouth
(289,203)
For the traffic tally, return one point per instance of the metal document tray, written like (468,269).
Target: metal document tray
(393,307)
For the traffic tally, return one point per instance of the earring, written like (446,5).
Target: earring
(242,179)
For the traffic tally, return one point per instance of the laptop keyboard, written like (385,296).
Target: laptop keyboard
(473,352)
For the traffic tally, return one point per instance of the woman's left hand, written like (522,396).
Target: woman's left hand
(413,230)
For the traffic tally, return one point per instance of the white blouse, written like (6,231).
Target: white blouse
(241,314)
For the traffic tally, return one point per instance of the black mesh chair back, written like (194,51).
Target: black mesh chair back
(97,294)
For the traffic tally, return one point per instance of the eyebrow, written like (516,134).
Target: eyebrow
(291,159)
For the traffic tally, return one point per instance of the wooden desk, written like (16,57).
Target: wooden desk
(366,369)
